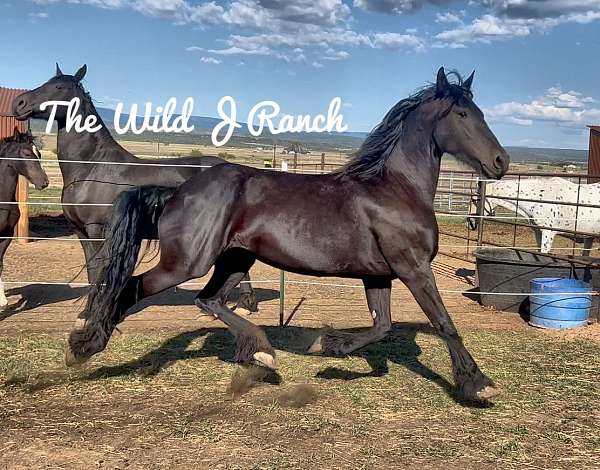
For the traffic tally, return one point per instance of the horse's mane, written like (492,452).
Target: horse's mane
(21,138)
(369,162)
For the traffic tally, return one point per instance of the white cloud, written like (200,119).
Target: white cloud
(486,29)
(38,15)
(210,60)
(568,108)
(529,9)
(396,7)
(447,18)
(294,47)
(519,18)
(397,41)
(335,55)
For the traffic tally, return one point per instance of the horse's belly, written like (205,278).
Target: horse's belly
(352,256)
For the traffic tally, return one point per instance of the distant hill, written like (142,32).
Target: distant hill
(522,154)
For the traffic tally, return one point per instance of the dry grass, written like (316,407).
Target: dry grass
(158,401)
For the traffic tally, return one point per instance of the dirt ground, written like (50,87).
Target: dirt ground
(166,393)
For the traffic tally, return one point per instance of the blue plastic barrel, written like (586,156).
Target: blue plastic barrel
(559,303)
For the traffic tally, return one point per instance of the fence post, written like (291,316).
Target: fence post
(482,185)
(22,196)
(281,297)
(323,162)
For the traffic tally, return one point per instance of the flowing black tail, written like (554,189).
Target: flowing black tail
(134,218)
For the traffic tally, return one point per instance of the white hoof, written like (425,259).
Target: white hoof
(3,301)
(487,393)
(317,346)
(265,360)
(79,324)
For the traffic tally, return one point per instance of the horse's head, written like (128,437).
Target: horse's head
(59,88)
(461,129)
(24,158)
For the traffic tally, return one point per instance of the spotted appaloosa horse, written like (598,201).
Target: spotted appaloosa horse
(374,220)
(18,156)
(550,213)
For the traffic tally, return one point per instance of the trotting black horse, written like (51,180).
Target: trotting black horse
(374,220)
(101,183)
(18,156)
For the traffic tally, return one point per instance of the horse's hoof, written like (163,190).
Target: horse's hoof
(247,303)
(265,359)
(72,360)
(487,393)
(3,302)
(317,346)
(481,389)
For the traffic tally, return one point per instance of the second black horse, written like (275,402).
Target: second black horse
(96,169)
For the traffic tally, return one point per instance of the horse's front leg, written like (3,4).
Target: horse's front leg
(341,343)
(90,250)
(471,382)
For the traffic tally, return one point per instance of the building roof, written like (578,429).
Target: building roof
(595,128)
(7,95)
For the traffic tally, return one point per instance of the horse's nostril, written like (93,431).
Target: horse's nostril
(21,104)
(499,162)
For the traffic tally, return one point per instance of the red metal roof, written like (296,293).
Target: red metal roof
(595,128)
(7,95)
(7,122)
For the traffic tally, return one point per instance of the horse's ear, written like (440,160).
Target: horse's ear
(468,83)
(81,73)
(58,71)
(442,83)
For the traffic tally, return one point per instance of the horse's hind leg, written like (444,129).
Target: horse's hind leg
(247,299)
(337,343)
(471,382)
(252,344)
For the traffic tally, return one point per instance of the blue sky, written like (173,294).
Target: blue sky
(536,61)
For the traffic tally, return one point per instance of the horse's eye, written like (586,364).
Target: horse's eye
(462,114)
(59,87)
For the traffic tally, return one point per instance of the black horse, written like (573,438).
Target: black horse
(374,220)
(101,183)
(18,156)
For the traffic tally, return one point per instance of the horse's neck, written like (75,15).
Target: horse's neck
(415,162)
(85,146)
(8,180)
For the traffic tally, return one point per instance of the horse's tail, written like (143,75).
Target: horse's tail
(134,217)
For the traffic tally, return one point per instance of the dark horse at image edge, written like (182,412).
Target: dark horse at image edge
(373,220)
(19,156)
(102,182)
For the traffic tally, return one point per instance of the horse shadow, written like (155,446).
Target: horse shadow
(37,295)
(51,226)
(399,348)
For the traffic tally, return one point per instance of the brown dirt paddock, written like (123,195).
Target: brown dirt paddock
(162,395)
